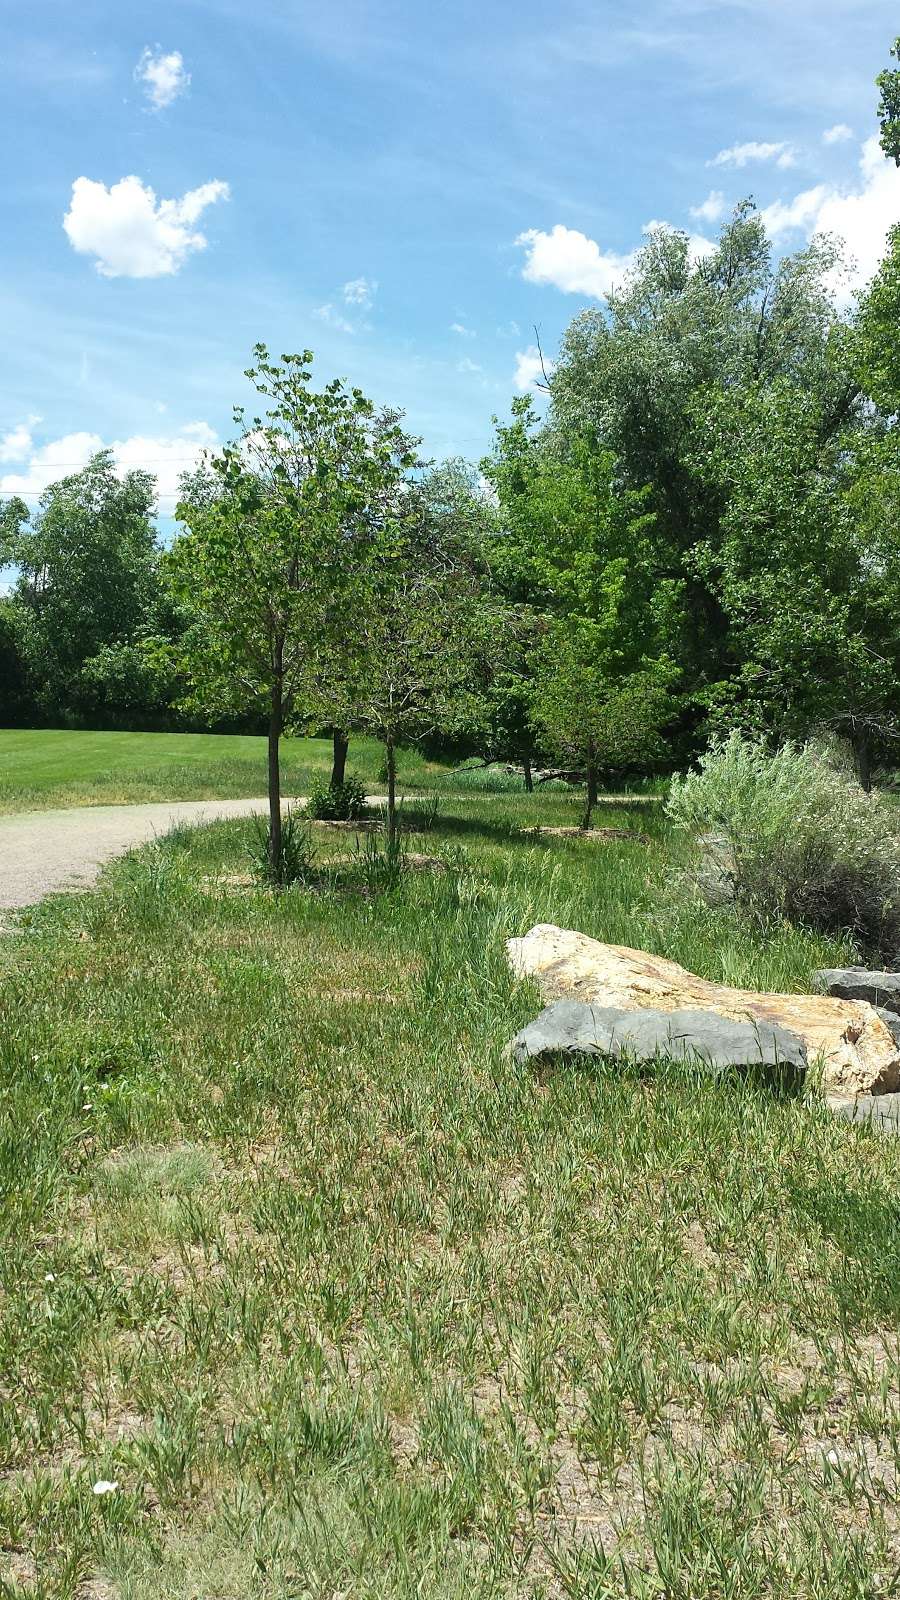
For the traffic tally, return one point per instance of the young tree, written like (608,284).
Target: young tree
(427,633)
(279,550)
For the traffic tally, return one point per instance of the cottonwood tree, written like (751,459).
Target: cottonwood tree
(88,576)
(280,551)
(888,82)
(806,566)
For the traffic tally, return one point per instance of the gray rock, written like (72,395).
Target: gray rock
(857,983)
(569,1027)
(891,1020)
(881,1111)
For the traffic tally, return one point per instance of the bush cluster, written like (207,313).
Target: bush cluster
(796,839)
(336,802)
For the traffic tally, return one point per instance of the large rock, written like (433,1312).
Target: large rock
(570,1027)
(881,1111)
(881,989)
(857,1052)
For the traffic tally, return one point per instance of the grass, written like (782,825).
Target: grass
(47,767)
(345,1304)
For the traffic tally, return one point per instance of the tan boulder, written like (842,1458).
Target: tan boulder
(856,1049)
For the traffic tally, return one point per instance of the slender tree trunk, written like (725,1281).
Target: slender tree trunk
(275,723)
(341,745)
(591,799)
(391,755)
(862,755)
(526,768)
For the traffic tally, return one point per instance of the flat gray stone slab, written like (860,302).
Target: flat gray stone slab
(569,1027)
(881,1111)
(859,983)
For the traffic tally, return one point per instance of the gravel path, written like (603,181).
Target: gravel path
(44,851)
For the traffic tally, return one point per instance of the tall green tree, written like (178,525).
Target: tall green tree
(888,82)
(636,378)
(276,563)
(806,566)
(578,551)
(88,575)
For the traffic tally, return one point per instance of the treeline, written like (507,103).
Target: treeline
(701,532)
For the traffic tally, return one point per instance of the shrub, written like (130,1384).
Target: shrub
(297,853)
(794,837)
(336,802)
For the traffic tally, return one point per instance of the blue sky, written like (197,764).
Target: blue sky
(405,188)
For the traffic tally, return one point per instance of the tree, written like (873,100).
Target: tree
(579,552)
(607,721)
(879,331)
(88,565)
(636,378)
(806,567)
(888,82)
(427,633)
(278,555)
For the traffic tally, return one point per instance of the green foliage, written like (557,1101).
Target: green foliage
(798,839)
(297,853)
(879,341)
(88,578)
(802,565)
(336,802)
(888,82)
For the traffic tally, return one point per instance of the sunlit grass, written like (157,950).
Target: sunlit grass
(347,1304)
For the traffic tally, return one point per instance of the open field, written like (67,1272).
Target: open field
(343,1303)
(41,767)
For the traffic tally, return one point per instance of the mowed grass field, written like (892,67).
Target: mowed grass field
(330,1299)
(45,767)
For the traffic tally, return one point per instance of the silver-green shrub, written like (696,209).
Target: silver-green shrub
(794,837)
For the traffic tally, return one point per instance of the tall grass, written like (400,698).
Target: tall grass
(345,1303)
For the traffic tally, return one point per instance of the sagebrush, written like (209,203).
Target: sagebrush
(795,838)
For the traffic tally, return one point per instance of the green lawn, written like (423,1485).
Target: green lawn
(345,1304)
(45,767)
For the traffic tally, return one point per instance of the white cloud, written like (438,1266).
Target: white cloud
(165,456)
(163,76)
(334,319)
(465,365)
(572,262)
(360,292)
(710,209)
(461,329)
(740,155)
(860,216)
(529,369)
(16,445)
(509,330)
(131,234)
(839,134)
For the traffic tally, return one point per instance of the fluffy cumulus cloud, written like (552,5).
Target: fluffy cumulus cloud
(711,209)
(467,365)
(16,444)
(529,369)
(167,457)
(333,318)
(460,329)
(839,134)
(742,155)
(131,233)
(858,214)
(162,76)
(570,261)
